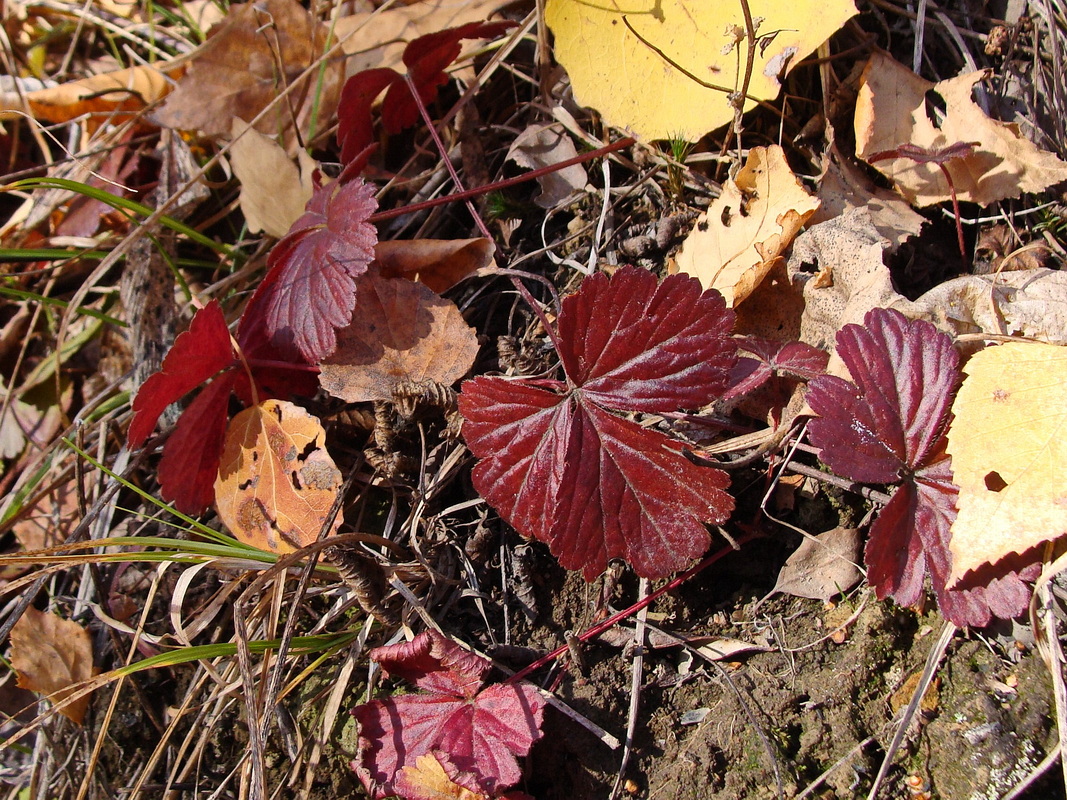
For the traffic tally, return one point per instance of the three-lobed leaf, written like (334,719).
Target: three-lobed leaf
(480,730)
(889,426)
(558,462)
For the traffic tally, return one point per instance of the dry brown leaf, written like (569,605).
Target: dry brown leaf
(274,190)
(544,146)
(438,263)
(256,52)
(1009,453)
(891,111)
(51,655)
(276,482)
(378,38)
(839,265)
(1031,303)
(741,235)
(51,519)
(116,96)
(823,566)
(401,332)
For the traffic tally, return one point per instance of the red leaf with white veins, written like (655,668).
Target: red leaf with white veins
(559,466)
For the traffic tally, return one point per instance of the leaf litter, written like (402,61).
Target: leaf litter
(592,421)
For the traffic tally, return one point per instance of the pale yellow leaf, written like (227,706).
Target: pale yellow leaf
(737,240)
(616,70)
(274,190)
(51,655)
(1008,444)
(276,482)
(891,110)
(428,779)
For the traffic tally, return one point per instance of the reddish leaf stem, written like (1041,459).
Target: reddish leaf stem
(600,627)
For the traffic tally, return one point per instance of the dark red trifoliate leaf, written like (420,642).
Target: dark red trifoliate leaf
(560,467)
(191,455)
(196,356)
(480,731)
(889,427)
(310,287)
(426,59)
(768,358)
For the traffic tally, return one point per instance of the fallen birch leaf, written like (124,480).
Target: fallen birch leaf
(236,72)
(115,95)
(737,240)
(276,482)
(51,655)
(1009,453)
(607,49)
(823,566)
(438,263)
(401,332)
(274,190)
(891,110)
(545,146)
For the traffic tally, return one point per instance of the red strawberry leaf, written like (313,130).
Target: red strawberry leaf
(561,468)
(310,288)
(355,126)
(479,730)
(788,359)
(196,356)
(889,427)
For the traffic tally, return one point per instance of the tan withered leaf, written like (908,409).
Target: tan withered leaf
(737,240)
(276,482)
(439,263)
(51,655)
(256,52)
(401,331)
(274,190)
(428,779)
(891,111)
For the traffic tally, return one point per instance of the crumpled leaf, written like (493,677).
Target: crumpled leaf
(544,146)
(481,729)
(889,427)
(737,240)
(891,110)
(1009,453)
(236,72)
(560,466)
(823,566)
(276,482)
(438,263)
(310,287)
(274,190)
(426,59)
(51,655)
(617,71)
(401,332)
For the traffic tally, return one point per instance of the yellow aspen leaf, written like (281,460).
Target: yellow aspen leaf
(1008,444)
(428,779)
(738,239)
(51,655)
(276,482)
(610,52)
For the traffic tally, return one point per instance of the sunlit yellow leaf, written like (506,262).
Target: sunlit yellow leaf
(609,49)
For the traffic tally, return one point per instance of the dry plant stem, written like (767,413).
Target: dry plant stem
(1046,764)
(933,659)
(600,627)
(635,688)
(815,784)
(1043,622)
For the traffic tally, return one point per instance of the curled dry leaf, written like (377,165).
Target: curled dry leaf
(438,263)
(401,332)
(891,111)
(276,482)
(51,655)
(737,240)
(544,146)
(1012,474)
(608,51)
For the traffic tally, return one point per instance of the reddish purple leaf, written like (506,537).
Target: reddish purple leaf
(560,467)
(196,356)
(191,455)
(355,127)
(480,731)
(310,288)
(789,359)
(889,427)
